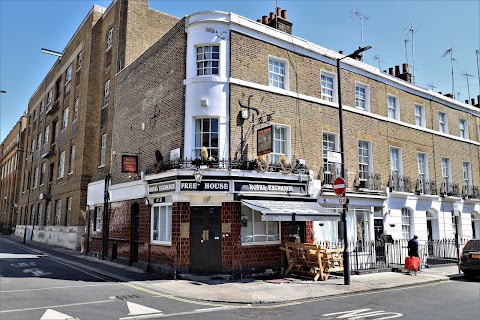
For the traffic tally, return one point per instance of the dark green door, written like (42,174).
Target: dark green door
(205,240)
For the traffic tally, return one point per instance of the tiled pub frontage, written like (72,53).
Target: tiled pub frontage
(229,222)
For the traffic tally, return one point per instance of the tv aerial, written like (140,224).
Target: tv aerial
(452,59)
(466,75)
(412,29)
(361,17)
(380,61)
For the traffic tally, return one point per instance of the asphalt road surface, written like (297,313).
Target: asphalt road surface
(35,287)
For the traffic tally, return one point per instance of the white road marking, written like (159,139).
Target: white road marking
(19,256)
(363,314)
(152,316)
(136,309)
(51,314)
(57,306)
(55,288)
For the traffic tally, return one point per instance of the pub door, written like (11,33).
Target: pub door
(205,240)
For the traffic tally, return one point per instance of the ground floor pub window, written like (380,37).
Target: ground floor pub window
(254,230)
(161,231)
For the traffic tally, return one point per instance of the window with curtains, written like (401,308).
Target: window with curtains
(395,161)
(406,224)
(256,231)
(363,159)
(281,143)
(361,97)
(161,231)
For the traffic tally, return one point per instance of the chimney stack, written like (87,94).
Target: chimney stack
(390,71)
(473,101)
(466,101)
(405,76)
(278,21)
(404,68)
(397,71)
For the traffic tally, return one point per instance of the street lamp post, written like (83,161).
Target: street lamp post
(346,257)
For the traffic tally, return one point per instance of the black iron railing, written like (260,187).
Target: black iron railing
(449,189)
(367,181)
(296,167)
(470,192)
(400,183)
(425,186)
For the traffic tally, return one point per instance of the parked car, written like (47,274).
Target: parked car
(470,259)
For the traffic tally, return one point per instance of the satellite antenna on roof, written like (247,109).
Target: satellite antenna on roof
(412,30)
(450,51)
(377,57)
(357,14)
(431,86)
(458,96)
(406,52)
(477,52)
(466,75)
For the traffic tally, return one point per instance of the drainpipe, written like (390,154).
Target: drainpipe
(106,200)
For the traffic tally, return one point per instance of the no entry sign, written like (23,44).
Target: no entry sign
(339,186)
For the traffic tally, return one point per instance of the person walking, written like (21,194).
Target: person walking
(413,247)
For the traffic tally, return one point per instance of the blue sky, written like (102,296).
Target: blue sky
(28,25)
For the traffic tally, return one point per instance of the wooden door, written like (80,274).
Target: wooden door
(205,240)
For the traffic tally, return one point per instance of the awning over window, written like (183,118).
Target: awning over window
(292,210)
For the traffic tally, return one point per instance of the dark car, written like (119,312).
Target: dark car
(470,259)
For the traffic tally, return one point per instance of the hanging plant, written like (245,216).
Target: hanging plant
(204,153)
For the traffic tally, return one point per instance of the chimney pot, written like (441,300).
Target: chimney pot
(473,101)
(272,16)
(264,19)
(384,71)
(397,71)
(279,12)
(440,92)
(466,101)
(478,101)
(405,68)
(284,14)
(259,20)
(390,71)
(341,51)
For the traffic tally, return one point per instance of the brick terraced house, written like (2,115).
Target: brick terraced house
(221,148)
(200,144)
(69,119)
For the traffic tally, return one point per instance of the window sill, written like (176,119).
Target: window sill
(209,78)
(266,243)
(161,244)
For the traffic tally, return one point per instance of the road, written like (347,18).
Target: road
(36,286)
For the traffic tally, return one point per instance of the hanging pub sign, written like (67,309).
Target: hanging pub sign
(264,141)
(130,164)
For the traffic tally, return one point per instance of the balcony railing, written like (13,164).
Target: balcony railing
(53,107)
(449,189)
(428,187)
(49,150)
(470,192)
(328,175)
(400,183)
(369,181)
(296,167)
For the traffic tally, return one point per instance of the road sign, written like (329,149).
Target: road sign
(339,186)
(343,200)
(334,157)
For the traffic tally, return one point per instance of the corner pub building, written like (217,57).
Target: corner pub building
(219,146)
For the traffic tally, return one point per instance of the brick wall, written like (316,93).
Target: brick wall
(308,120)
(152,85)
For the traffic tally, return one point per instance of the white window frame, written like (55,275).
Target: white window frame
(361,156)
(275,155)
(61,165)
(467,173)
(68,78)
(79,60)
(406,218)
(68,212)
(109,39)
(362,100)
(58,211)
(420,115)
(446,170)
(422,164)
(442,122)
(463,128)
(106,94)
(46,135)
(200,132)
(49,97)
(208,60)
(98,219)
(393,109)
(39,140)
(259,228)
(65,119)
(165,229)
(72,159)
(75,109)
(276,78)
(42,173)
(103,150)
(396,161)
(326,92)
(35,178)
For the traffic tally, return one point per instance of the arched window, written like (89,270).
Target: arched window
(406,223)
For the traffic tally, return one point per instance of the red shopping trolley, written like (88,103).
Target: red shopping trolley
(412,264)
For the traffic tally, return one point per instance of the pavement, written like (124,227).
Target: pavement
(220,288)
